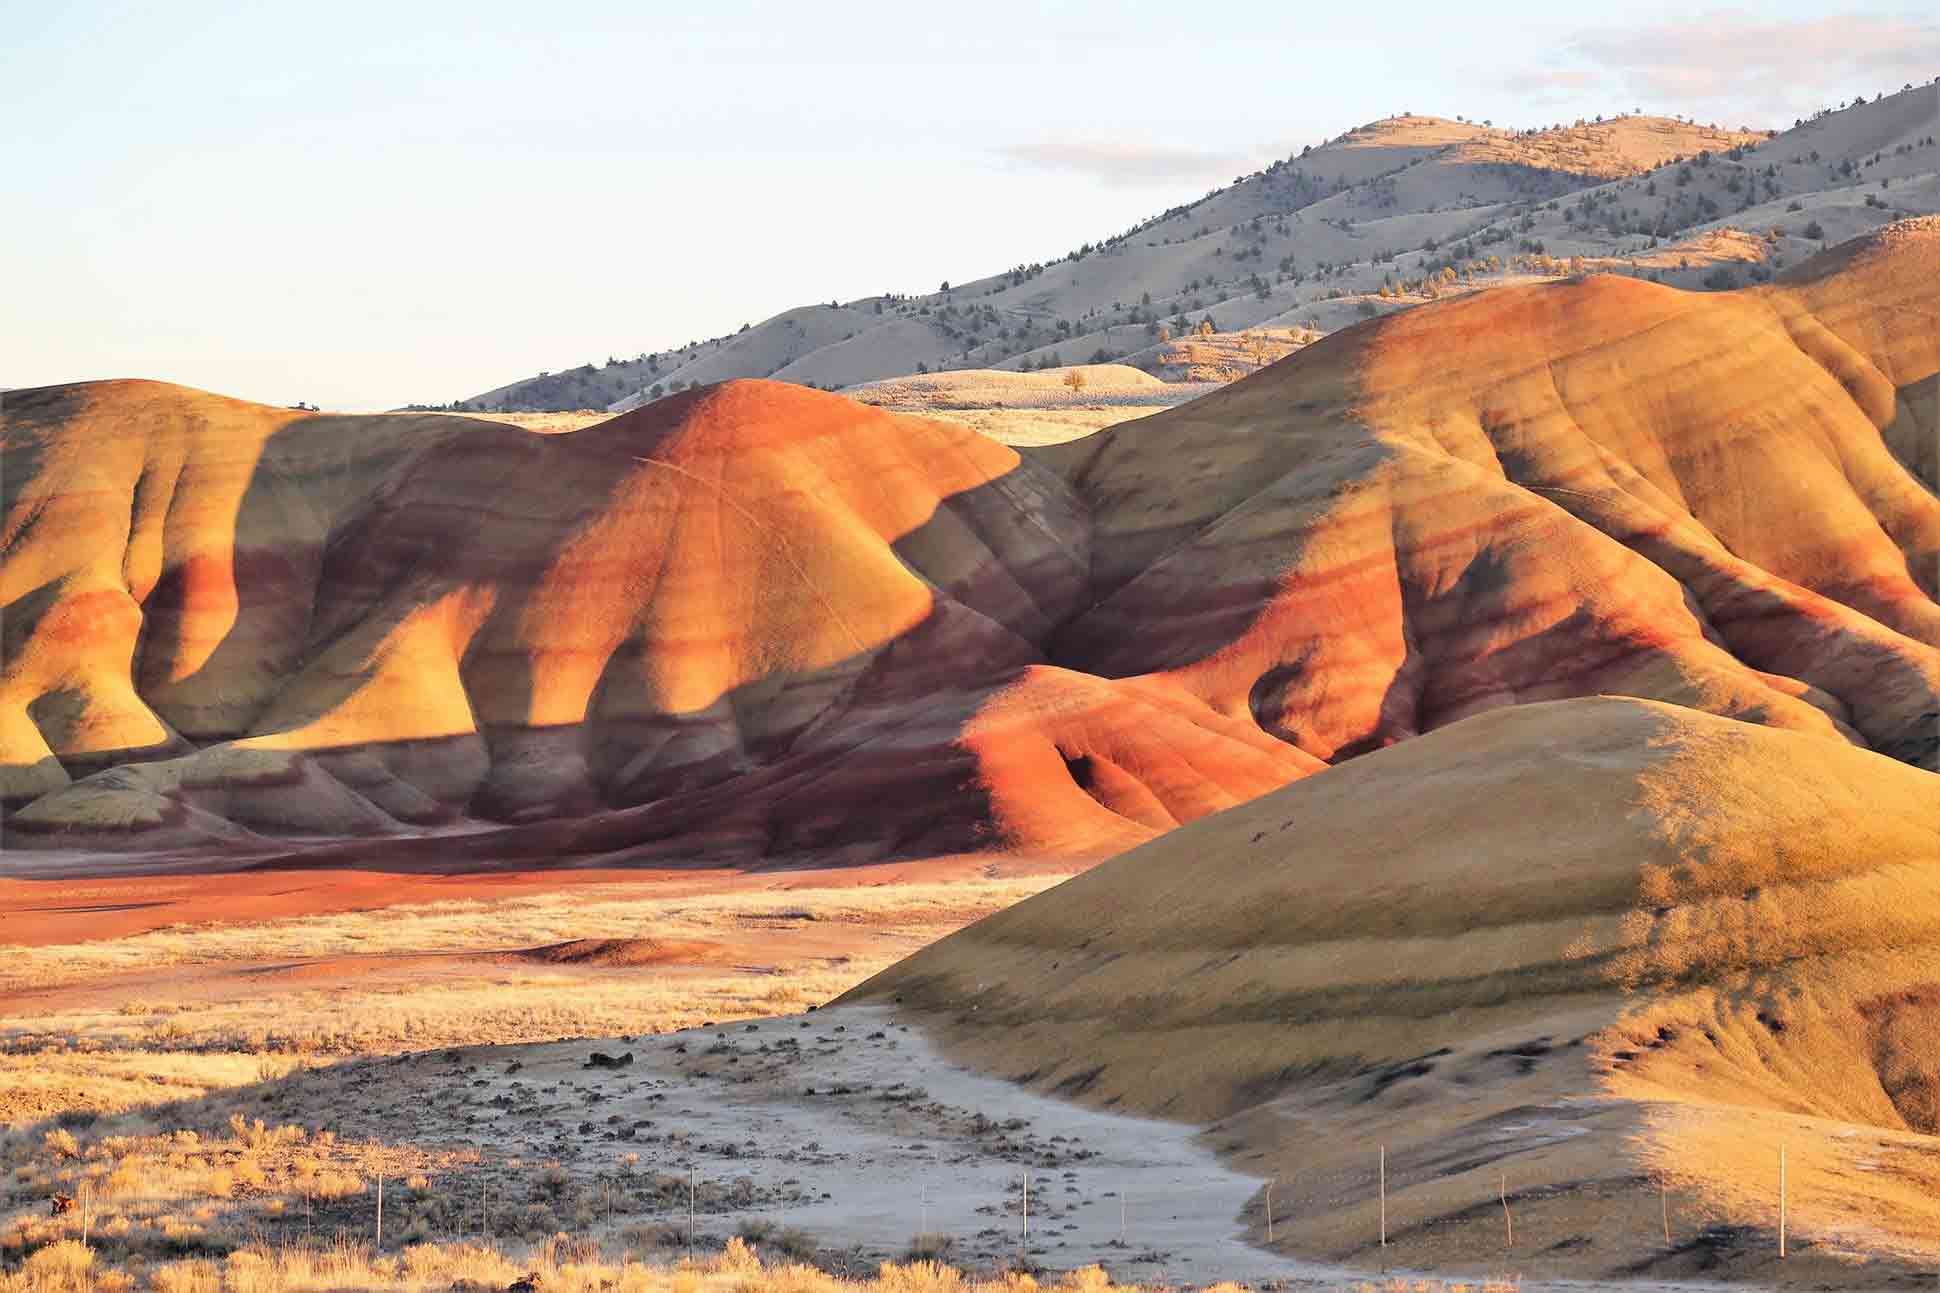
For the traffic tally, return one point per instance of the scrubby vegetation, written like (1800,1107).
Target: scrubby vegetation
(1391,204)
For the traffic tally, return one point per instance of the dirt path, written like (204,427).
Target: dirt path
(841,1123)
(844,1124)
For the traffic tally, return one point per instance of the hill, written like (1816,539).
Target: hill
(758,622)
(1414,205)
(1586,960)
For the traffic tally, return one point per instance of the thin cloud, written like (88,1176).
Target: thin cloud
(1734,57)
(1551,82)
(1118,162)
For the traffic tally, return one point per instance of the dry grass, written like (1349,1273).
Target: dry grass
(1023,409)
(180,1011)
(1021,428)
(1076,385)
(152,1042)
(606,911)
(561,1266)
(136,1074)
(551,423)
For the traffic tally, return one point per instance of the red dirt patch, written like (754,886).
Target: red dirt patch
(623,952)
(70,909)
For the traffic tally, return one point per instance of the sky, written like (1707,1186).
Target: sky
(363,204)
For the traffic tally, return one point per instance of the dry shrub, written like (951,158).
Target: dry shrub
(919,1277)
(250,1270)
(648,1235)
(795,1243)
(456,1263)
(929,1247)
(192,1276)
(323,1184)
(220,1183)
(58,1268)
(795,1278)
(255,1135)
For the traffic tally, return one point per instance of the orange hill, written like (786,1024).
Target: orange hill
(1599,956)
(755,621)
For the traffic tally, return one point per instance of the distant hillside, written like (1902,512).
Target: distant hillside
(1383,217)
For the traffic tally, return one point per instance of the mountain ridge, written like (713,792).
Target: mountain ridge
(1312,240)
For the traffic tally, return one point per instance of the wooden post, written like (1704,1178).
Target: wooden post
(924,1229)
(1269,1212)
(691,1172)
(1024,1233)
(87,1211)
(1781,1203)
(1384,1196)
(380,1210)
(1121,1218)
(1664,1203)
(1508,1221)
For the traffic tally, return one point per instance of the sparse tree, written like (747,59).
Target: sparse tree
(1075,379)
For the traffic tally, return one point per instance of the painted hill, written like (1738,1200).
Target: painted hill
(1416,205)
(1592,958)
(760,622)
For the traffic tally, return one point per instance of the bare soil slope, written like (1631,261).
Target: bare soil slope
(756,622)
(1602,956)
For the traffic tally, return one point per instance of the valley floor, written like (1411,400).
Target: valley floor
(222,1097)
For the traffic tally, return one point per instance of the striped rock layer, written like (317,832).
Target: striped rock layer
(755,621)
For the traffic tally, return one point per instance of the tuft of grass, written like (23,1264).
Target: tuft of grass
(558,1264)
(60,1266)
(795,1244)
(929,1247)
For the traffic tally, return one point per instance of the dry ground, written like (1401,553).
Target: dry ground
(545,423)
(136,1071)
(1031,409)
(185,1008)
(220,1100)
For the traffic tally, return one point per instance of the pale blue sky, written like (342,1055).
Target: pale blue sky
(360,204)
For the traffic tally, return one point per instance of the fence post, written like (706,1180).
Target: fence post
(1781,1203)
(1024,1234)
(1384,1196)
(380,1210)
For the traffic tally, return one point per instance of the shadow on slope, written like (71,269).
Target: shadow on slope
(1572,950)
